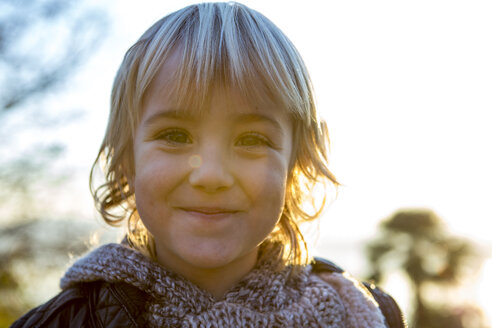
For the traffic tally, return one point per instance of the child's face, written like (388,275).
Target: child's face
(211,186)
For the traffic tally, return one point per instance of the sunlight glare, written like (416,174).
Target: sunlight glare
(485,288)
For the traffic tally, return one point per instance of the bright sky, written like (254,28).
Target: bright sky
(406,89)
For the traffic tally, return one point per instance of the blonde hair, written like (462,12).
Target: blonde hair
(230,45)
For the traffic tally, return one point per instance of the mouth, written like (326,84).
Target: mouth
(208,210)
(209,215)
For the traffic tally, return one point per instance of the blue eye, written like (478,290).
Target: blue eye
(174,136)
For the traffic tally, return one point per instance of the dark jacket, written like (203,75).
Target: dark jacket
(95,305)
(110,305)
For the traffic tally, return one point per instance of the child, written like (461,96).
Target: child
(212,150)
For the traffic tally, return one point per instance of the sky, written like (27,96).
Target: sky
(405,87)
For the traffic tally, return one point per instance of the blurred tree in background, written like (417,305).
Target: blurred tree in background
(42,44)
(416,242)
(30,252)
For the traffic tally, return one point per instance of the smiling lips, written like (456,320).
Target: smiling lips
(209,212)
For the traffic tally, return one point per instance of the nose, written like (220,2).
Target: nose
(210,172)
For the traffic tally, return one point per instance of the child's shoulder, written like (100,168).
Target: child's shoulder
(363,301)
(68,303)
(94,304)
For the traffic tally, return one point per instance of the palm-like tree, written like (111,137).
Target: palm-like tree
(416,242)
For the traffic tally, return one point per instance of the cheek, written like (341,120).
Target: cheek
(266,184)
(155,177)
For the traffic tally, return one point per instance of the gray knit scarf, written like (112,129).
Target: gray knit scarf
(265,297)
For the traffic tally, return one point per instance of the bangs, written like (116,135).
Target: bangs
(229,47)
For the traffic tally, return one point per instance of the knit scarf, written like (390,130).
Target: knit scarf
(265,297)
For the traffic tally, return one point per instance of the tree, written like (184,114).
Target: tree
(416,242)
(30,251)
(42,43)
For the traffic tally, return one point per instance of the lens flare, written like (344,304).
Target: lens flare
(195,161)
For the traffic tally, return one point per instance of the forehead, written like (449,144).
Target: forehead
(172,89)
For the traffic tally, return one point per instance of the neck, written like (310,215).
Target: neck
(217,280)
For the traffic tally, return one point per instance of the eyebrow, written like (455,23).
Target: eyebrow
(170,113)
(257,117)
(185,115)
